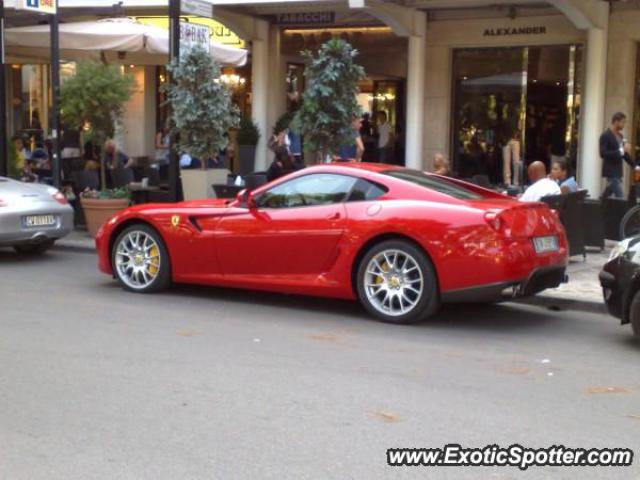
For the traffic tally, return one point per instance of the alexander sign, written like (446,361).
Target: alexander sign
(306,18)
(509,31)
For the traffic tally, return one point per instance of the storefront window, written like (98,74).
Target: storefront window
(636,140)
(513,106)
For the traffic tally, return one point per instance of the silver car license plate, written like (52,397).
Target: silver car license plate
(31,221)
(546,244)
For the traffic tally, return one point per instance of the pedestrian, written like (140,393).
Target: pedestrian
(162,148)
(114,157)
(560,173)
(353,152)
(440,164)
(541,185)
(281,164)
(614,149)
(385,139)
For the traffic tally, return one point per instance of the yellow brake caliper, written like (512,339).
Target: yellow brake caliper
(385,269)
(153,266)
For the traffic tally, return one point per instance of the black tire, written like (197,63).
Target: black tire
(634,314)
(34,248)
(162,279)
(428,301)
(630,223)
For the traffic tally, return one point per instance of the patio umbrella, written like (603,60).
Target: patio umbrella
(116,40)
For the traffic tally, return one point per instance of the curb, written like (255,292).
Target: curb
(569,303)
(78,246)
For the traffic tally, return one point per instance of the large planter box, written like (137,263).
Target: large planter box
(98,211)
(197,184)
(247,156)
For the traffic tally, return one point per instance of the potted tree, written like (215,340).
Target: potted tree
(329,102)
(248,137)
(95,96)
(202,113)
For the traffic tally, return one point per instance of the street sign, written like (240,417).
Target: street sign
(306,18)
(192,34)
(39,6)
(197,7)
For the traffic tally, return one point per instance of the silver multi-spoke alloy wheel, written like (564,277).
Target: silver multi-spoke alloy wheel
(137,259)
(393,282)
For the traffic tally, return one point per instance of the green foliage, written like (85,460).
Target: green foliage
(14,171)
(113,194)
(248,133)
(96,94)
(202,111)
(329,103)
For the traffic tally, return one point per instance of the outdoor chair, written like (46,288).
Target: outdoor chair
(121,177)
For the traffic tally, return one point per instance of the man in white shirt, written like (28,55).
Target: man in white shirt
(385,144)
(541,185)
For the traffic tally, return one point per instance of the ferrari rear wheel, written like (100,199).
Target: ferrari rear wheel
(397,283)
(140,260)
(634,314)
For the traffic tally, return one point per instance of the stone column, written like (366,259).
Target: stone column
(260,89)
(415,92)
(592,121)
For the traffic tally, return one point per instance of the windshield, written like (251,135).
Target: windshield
(434,183)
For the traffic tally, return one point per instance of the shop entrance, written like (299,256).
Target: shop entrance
(384,57)
(513,106)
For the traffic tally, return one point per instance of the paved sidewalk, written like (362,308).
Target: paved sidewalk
(77,240)
(583,289)
(583,282)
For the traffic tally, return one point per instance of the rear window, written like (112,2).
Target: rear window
(434,183)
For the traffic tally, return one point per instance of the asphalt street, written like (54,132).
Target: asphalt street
(210,383)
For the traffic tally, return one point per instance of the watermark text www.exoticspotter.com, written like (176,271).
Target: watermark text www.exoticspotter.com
(454,455)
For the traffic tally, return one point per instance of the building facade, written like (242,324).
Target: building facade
(476,80)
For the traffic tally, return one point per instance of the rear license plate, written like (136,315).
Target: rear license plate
(39,221)
(546,244)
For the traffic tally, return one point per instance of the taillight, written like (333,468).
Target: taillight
(497,223)
(60,198)
(494,221)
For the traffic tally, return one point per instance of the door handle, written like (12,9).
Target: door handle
(334,216)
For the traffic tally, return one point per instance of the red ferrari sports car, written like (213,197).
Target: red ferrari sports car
(401,241)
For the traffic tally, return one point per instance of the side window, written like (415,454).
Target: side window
(365,190)
(309,190)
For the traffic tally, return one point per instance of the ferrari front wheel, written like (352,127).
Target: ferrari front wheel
(634,314)
(397,283)
(140,260)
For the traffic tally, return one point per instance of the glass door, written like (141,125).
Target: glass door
(490,98)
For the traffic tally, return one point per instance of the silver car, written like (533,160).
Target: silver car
(32,216)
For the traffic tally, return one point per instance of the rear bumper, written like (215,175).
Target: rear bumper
(13,233)
(540,279)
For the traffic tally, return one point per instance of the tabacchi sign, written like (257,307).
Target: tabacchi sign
(39,6)
(502,32)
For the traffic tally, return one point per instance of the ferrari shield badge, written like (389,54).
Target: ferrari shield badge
(175,221)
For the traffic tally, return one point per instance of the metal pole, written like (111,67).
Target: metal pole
(55,97)
(174,54)
(4,151)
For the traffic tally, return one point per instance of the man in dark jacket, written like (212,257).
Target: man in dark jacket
(613,150)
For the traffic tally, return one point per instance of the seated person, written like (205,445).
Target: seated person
(440,165)
(560,173)
(541,186)
(281,165)
(114,158)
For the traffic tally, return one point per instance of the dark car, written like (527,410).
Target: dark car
(620,280)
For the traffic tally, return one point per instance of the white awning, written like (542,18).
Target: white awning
(117,40)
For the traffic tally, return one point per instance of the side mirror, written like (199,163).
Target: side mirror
(245,199)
